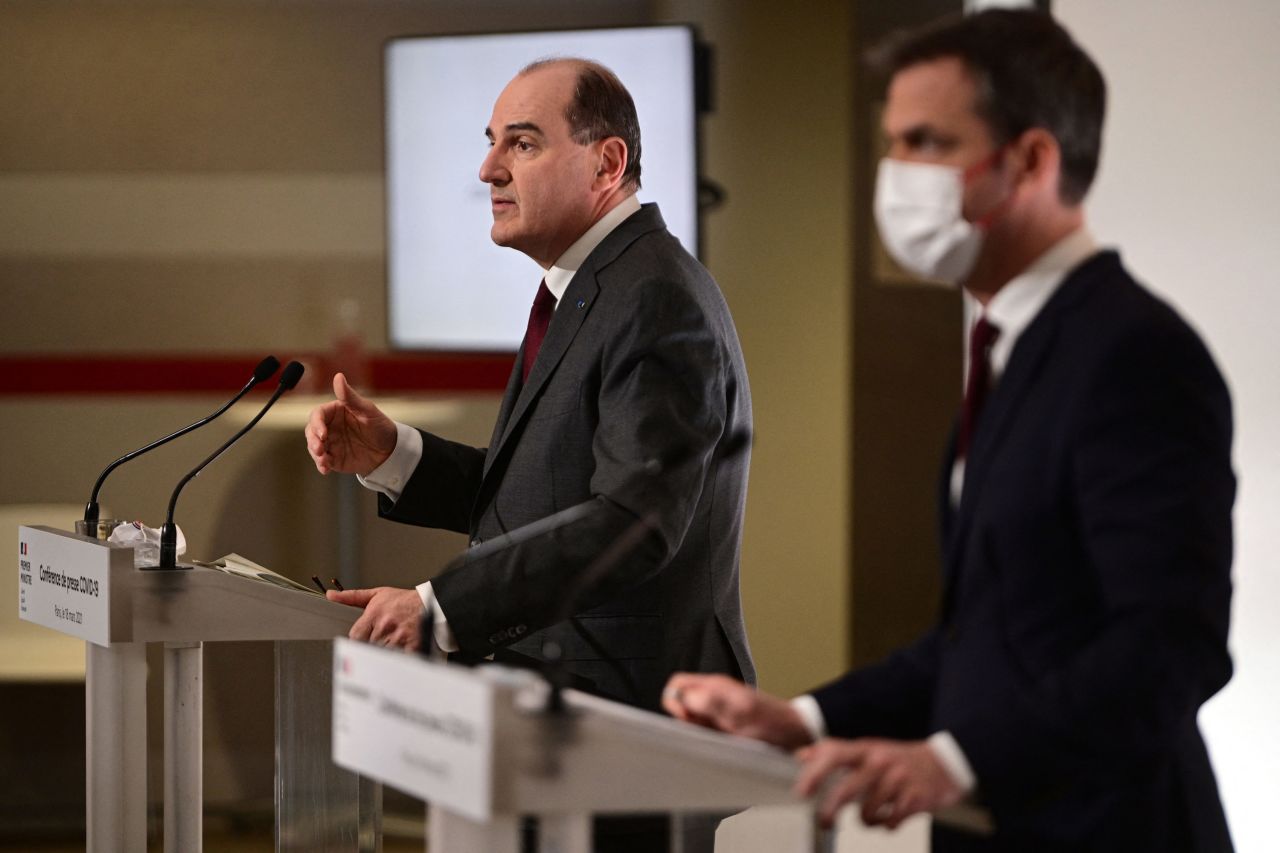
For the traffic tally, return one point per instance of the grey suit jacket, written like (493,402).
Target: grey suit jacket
(641,363)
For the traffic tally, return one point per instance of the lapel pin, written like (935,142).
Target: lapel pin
(582,303)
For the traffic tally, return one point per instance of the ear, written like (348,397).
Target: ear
(613,156)
(1039,158)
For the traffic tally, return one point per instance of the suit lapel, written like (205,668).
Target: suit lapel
(573,309)
(571,312)
(1026,363)
(508,403)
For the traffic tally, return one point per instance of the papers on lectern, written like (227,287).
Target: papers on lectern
(234,564)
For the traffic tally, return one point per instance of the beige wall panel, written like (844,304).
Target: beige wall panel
(779,143)
(228,86)
(189,305)
(165,214)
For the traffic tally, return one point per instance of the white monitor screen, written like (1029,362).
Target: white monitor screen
(450,287)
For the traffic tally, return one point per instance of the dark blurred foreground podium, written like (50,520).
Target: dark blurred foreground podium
(480,746)
(90,589)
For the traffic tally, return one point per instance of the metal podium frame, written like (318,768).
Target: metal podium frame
(183,609)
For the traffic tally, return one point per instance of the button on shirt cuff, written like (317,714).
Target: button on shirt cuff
(389,477)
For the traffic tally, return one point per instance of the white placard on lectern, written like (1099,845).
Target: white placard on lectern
(64,582)
(425,730)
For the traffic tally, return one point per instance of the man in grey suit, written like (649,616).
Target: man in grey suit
(631,365)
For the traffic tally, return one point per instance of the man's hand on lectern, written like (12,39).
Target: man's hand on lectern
(720,702)
(349,435)
(391,616)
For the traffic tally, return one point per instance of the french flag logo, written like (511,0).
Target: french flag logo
(22,549)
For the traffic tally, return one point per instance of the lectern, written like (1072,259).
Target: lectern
(90,589)
(480,746)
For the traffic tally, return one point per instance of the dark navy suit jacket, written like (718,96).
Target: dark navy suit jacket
(1086,586)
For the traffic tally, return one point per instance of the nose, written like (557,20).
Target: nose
(492,171)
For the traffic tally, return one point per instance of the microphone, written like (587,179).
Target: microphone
(261,373)
(169,532)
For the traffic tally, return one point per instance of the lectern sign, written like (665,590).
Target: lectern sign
(425,729)
(64,583)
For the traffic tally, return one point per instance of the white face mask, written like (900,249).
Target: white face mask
(918,209)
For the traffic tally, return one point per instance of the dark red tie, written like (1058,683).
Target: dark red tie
(544,305)
(981,340)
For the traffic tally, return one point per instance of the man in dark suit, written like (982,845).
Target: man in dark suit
(1085,499)
(631,365)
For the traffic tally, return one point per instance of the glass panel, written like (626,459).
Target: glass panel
(320,807)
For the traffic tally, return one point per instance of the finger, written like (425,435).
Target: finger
(826,756)
(707,695)
(348,395)
(320,455)
(848,790)
(352,597)
(317,422)
(880,800)
(362,628)
(672,694)
(908,804)
(405,636)
(672,705)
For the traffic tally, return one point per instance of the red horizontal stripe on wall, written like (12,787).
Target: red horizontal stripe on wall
(41,375)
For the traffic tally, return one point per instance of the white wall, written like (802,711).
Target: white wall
(1190,192)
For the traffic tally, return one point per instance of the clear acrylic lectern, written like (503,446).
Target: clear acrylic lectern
(90,589)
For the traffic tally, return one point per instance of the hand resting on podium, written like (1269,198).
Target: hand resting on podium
(892,779)
(391,616)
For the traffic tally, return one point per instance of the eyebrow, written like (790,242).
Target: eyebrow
(517,126)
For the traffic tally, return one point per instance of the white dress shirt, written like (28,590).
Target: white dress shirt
(389,477)
(1011,310)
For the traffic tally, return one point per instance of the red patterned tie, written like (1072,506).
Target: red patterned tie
(544,305)
(981,340)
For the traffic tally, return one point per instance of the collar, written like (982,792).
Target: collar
(562,271)
(1017,303)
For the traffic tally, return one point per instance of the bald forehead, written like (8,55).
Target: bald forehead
(535,100)
(556,80)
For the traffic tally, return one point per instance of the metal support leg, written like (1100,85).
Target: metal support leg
(116,747)
(183,747)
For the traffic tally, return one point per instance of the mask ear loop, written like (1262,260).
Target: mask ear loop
(980,168)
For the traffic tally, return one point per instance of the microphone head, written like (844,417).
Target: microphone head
(292,373)
(265,369)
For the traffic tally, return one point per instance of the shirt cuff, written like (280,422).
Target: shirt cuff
(389,477)
(440,623)
(811,715)
(951,757)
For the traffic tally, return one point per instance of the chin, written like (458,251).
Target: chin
(499,236)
